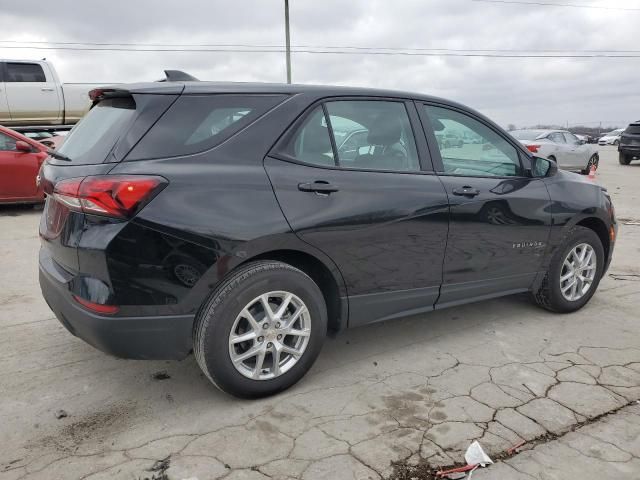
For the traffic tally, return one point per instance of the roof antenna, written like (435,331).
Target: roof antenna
(178,76)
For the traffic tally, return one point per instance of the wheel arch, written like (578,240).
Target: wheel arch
(600,228)
(330,282)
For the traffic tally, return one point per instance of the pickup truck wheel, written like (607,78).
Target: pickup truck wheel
(574,272)
(624,159)
(261,329)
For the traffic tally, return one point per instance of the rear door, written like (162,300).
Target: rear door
(375,207)
(499,217)
(5,116)
(18,171)
(32,95)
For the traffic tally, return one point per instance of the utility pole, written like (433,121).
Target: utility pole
(288,40)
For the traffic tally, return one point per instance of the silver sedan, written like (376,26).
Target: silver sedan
(567,150)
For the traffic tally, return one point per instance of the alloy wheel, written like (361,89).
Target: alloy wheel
(578,272)
(270,335)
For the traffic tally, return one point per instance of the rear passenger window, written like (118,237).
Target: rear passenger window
(195,123)
(373,135)
(311,143)
(25,72)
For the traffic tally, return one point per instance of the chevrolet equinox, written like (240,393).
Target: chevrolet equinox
(245,221)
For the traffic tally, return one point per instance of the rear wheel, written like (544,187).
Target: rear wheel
(593,162)
(261,330)
(574,272)
(624,159)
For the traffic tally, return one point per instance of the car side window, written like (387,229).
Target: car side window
(373,135)
(571,138)
(7,144)
(24,72)
(470,148)
(311,142)
(557,137)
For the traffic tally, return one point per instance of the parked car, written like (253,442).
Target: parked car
(611,138)
(629,146)
(561,146)
(281,240)
(20,160)
(32,94)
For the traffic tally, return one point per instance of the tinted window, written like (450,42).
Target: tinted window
(311,142)
(195,123)
(91,140)
(24,72)
(633,129)
(493,156)
(373,135)
(557,137)
(7,143)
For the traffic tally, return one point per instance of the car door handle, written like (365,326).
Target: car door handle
(466,191)
(319,186)
(47,89)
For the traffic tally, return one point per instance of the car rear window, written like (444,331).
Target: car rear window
(196,123)
(91,140)
(633,129)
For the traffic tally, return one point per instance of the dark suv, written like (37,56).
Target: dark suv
(224,219)
(629,146)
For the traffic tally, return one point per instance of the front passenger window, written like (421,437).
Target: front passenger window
(469,147)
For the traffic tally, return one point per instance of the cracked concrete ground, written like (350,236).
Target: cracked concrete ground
(410,391)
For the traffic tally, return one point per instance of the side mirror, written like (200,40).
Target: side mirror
(23,147)
(543,167)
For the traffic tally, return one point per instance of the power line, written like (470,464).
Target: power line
(26,44)
(332,52)
(547,4)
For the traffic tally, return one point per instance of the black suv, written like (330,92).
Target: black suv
(629,146)
(228,220)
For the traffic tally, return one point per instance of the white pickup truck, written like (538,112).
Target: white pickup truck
(31,94)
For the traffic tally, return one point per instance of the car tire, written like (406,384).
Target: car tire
(550,294)
(552,158)
(220,315)
(594,160)
(616,143)
(624,159)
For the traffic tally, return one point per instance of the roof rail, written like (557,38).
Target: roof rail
(178,76)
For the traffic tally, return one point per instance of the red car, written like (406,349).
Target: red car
(20,160)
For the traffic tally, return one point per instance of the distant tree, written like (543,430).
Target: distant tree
(511,126)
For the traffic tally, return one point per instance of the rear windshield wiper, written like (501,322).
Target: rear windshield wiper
(58,155)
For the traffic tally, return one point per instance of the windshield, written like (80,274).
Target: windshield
(526,134)
(614,133)
(91,140)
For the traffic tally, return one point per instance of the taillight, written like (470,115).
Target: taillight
(96,307)
(118,196)
(533,148)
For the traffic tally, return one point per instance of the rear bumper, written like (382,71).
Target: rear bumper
(158,337)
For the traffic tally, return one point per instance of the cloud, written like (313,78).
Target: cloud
(523,91)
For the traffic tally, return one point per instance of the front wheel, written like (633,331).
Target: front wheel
(616,143)
(261,330)
(574,272)
(624,159)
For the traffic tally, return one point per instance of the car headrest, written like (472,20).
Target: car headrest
(385,131)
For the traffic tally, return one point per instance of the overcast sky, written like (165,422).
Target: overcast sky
(523,91)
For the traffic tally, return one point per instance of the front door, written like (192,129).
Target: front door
(18,171)
(500,219)
(32,97)
(373,207)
